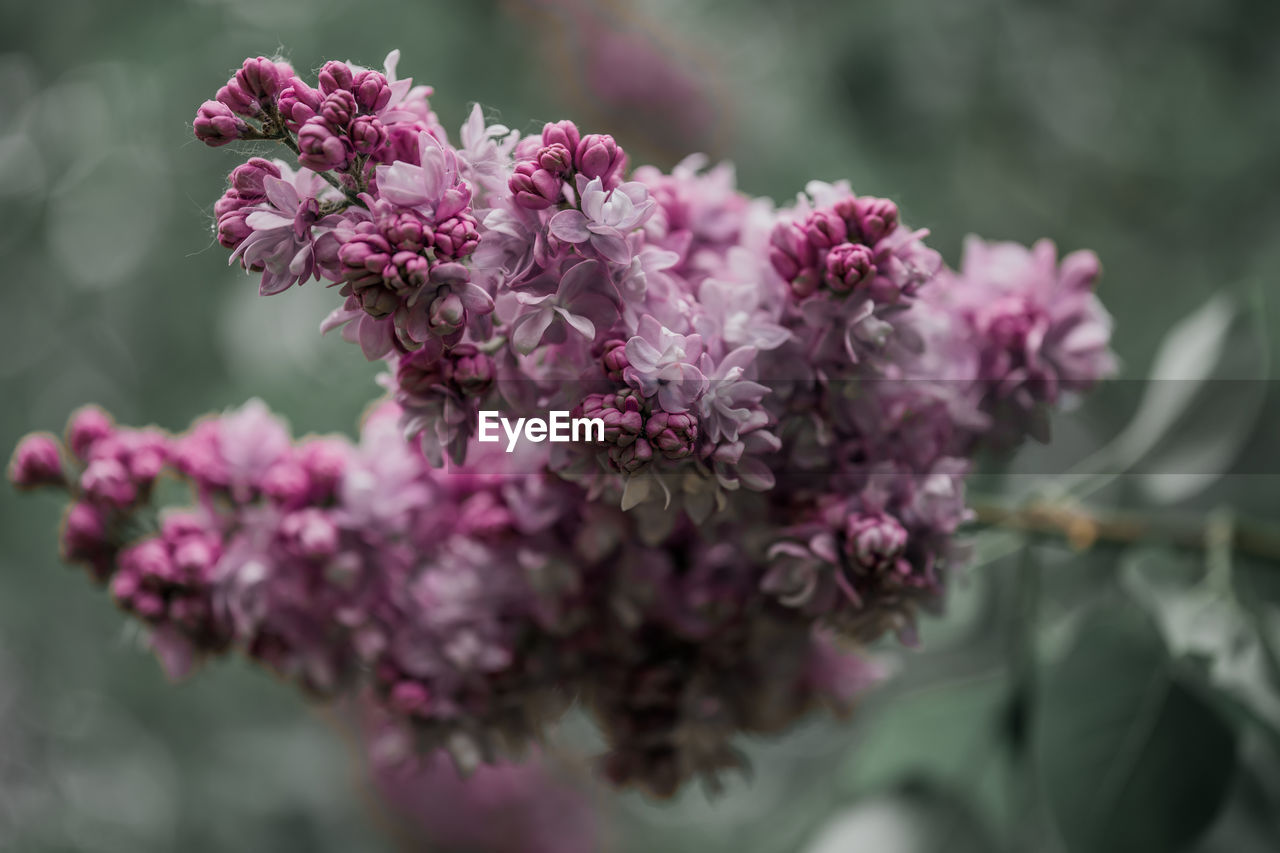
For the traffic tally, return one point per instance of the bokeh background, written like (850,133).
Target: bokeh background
(1147,131)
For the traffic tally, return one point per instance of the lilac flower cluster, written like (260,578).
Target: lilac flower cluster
(790,397)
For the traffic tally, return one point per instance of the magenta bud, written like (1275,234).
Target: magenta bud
(233,229)
(84,532)
(247,178)
(456,237)
(849,265)
(472,370)
(234,97)
(675,435)
(534,188)
(216,125)
(614,359)
(106,481)
(825,229)
(286,483)
(421,371)
(148,559)
(633,457)
(310,533)
(339,108)
(371,90)
(407,232)
(37,461)
(322,149)
(297,103)
(410,698)
(368,134)
(448,314)
(876,218)
(599,156)
(875,542)
(261,78)
(563,133)
(790,251)
(378,301)
(335,76)
(88,426)
(555,158)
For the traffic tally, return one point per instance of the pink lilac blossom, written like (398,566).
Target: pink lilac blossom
(791,398)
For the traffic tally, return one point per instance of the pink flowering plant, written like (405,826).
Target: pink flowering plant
(791,398)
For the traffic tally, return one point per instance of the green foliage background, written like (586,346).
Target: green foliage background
(1147,131)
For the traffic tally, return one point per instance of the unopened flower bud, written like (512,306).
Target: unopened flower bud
(371,90)
(261,78)
(614,359)
(561,133)
(84,532)
(555,158)
(36,462)
(456,237)
(534,188)
(472,370)
(106,481)
(88,426)
(876,218)
(633,457)
(410,698)
(848,265)
(825,229)
(368,134)
(247,178)
(216,124)
(675,435)
(875,542)
(447,314)
(339,108)
(335,76)
(297,103)
(322,148)
(598,155)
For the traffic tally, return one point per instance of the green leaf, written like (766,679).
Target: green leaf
(1130,758)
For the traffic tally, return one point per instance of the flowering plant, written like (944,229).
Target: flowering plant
(791,399)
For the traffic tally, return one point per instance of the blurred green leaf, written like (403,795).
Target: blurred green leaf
(922,820)
(1130,758)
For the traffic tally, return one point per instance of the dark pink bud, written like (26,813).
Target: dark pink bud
(368,134)
(561,133)
(339,108)
(875,542)
(106,481)
(614,359)
(623,420)
(247,178)
(790,251)
(371,90)
(233,229)
(472,370)
(325,460)
(234,97)
(456,238)
(286,483)
(149,559)
(534,188)
(363,259)
(84,532)
(88,426)
(36,461)
(633,457)
(310,533)
(216,124)
(448,314)
(195,556)
(849,265)
(555,158)
(322,148)
(407,232)
(675,436)
(421,371)
(297,103)
(825,229)
(261,78)
(875,217)
(378,301)
(335,76)
(599,156)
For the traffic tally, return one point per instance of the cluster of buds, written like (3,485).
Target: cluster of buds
(540,176)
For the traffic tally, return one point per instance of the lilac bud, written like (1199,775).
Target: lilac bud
(447,314)
(848,265)
(286,483)
(247,178)
(421,371)
(339,108)
(599,156)
(234,97)
(335,76)
(875,218)
(368,134)
(555,158)
(195,556)
(261,78)
(363,258)
(233,229)
(456,237)
(623,420)
(615,359)
(36,462)
(148,559)
(371,90)
(790,251)
(106,481)
(407,232)
(472,370)
(633,457)
(825,229)
(561,133)
(410,698)
(674,435)
(534,188)
(325,460)
(875,542)
(84,533)
(216,124)
(322,148)
(378,301)
(297,103)
(88,426)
